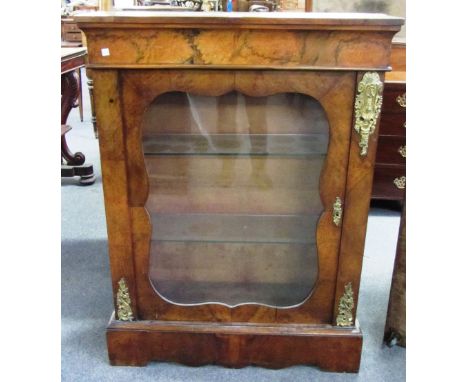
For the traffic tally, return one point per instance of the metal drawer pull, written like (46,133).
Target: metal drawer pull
(402,151)
(400,182)
(401,100)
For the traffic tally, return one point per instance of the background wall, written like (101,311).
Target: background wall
(390,7)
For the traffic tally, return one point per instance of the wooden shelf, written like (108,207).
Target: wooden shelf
(232,228)
(236,144)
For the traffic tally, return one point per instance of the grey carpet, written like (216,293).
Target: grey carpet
(87,297)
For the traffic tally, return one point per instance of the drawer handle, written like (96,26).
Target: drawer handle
(337,211)
(367,108)
(402,151)
(401,100)
(400,182)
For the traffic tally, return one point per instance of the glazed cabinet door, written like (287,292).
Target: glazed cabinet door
(236,185)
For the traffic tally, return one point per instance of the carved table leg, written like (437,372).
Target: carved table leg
(80,94)
(93,114)
(69,96)
(74,162)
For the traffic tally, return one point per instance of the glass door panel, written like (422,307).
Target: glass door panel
(234,196)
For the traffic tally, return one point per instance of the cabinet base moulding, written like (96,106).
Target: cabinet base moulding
(135,343)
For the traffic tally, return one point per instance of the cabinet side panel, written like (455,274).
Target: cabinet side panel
(355,213)
(114,178)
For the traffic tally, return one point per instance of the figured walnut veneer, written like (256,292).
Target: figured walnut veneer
(321,56)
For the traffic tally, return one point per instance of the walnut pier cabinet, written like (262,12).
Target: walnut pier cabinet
(237,154)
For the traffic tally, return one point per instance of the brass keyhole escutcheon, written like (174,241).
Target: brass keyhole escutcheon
(337,211)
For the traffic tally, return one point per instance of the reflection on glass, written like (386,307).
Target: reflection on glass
(234,197)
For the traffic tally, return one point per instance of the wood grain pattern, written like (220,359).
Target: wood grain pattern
(272,346)
(307,40)
(321,56)
(114,173)
(335,93)
(356,210)
(240,48)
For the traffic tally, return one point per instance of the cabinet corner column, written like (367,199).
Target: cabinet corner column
(108,108)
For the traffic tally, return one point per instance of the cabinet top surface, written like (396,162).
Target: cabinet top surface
(278,19)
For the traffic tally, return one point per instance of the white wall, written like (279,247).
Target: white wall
(390,7)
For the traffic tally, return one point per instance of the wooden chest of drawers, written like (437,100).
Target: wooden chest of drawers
(70,31)
(390,168)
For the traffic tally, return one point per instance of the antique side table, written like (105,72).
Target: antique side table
(73,164)
(237,154)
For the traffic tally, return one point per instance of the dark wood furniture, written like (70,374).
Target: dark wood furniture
(70,31)
(237,173)
(395,326)
(72,38)
(390,168)
(73,164)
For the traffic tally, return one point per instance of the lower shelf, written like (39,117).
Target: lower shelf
(279,275)
(234,344)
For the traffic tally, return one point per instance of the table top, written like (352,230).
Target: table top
(72,58)
(69,53)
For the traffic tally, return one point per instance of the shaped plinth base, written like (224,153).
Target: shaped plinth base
(234,345)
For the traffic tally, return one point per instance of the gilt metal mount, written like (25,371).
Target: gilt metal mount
(402,151)
(400,182)
(124,303)
(401,100)
(367,108)
(337,211)
(345,307)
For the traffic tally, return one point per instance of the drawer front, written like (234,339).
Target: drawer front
(391,150)
(393,124)
(394,101)
(73,64)
(389,182)
(73,36)
(70,27)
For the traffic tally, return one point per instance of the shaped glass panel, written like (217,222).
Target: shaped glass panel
(234,197)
